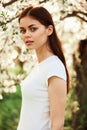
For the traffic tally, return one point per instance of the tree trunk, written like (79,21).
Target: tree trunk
(79,119)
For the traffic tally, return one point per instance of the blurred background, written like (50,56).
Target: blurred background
(16,61)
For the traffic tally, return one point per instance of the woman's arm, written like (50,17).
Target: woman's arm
(57,95)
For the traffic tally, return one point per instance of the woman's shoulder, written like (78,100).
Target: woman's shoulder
(55,67)
(54,61)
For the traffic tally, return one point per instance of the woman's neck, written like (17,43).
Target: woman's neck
(43,53)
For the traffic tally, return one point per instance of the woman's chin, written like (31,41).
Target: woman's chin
(30,48)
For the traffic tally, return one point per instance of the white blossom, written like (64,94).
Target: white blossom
(16,60)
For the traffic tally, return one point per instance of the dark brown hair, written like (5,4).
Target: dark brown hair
(44,17)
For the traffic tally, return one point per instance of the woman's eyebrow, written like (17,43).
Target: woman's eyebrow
(21,27)
(28,26)
(31,25)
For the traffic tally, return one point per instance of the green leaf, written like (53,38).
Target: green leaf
(62,11)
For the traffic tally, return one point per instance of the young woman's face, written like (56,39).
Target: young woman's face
(34,34)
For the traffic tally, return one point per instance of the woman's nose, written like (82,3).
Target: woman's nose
(27,34)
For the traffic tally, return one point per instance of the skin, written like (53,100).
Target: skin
(57,95)
(35,36)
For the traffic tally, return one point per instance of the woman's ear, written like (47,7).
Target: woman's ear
(50,30)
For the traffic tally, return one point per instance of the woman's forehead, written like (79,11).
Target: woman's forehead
(27,20)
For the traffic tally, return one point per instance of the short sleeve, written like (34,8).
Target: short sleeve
(56,68)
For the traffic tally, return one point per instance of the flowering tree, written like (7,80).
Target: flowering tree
(15,59)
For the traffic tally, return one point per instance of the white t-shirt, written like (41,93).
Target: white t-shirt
(35,113)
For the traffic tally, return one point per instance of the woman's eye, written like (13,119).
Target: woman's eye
(22,31)
(33,29)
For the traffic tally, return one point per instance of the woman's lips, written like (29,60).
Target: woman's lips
(28,42)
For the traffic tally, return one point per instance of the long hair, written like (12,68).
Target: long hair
(44,17)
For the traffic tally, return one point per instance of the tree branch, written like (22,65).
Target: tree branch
(43,1)
(76,14)
(82,18)
(8,3)
(10,20)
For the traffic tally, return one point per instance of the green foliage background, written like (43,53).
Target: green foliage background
(10,110)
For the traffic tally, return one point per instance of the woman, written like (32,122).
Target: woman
(44,90)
